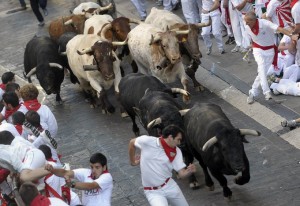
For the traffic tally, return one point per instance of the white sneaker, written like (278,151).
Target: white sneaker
(235,49)
(268,96)
(250,99)
(275,92)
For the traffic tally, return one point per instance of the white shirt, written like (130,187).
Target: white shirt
(155,165)
(9,120)
(100,196)
(247,7)
(48,121)
(4,126)
(57,202)
(272,12)
(265,36)
(286,40)
(296,13)
(208,4)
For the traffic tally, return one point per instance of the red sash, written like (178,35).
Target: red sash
(32,104)
(8,113)
(40,200)
(255,45)
(19,128)
(170,152)
(255,28)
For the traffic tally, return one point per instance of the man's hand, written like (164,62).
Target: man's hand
(49,167)
(191,168)
(136,160)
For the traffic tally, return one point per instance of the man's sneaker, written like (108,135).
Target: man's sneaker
(45,12)
(229,40)
(275,91)
(42,23)
(289,123)
(243,50)
(222,51)
(250,99)
(268,96)
(235,49)
(232,40)
(208,50)
(47,137)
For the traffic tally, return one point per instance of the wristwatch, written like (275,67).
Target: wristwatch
(73,184)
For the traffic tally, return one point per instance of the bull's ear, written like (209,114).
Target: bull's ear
(244,139)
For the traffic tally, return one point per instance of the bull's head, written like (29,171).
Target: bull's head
(103,54)
(168,44)
(230,145)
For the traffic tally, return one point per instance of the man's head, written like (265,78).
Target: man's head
(28,192)
(6,137)
(10,100)
(13,87)
(33,118)
(98,163)
(18,118)
(172,135)
(29,92)
(8,77)
(250,19)
(46,150)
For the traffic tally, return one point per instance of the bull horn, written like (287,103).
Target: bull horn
(98,10)
(90,67)
(105,29)
(180,91)
(70,21)
(204,24)
(56,65)
(154,122)
(63,53)
(249,132)
(183,111)
(120,43)
(32,71)
(84,51)
(209,143)
(134,21)
(182,32)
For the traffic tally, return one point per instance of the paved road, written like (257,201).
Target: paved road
(83,131)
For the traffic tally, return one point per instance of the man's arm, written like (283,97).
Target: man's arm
(185,172)
(293,45)
(297,29)
(59,172)
(31,175)
(131,152)
(284,31)
(84,185)
(241,5)
(215,6)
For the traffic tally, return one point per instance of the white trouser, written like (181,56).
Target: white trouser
(264,59)
(140,6)
(168,194)
(169,4)
(224,20)
(191,10)
(215,27)
(234,17)
(246,39)
(286,86)
(292,73)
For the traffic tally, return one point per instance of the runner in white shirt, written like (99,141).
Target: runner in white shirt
(295,5)
(30,196)
(96,183)
(6,78)
(279,12)
(263,39)
(29,93)
(159,156)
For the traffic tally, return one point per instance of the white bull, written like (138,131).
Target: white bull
(157,53)
(90,7)
(98,58)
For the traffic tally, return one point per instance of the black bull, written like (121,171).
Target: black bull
(217,145)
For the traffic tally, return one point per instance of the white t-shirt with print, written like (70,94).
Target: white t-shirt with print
(95,197)
(155,165)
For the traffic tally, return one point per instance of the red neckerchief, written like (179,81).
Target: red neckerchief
(170,152)
(255,28)
(66,193)
(51,160)
(2,86)
(32,104)
(40,200)
(105,171)
(292,5)
(8,113)
(19,128)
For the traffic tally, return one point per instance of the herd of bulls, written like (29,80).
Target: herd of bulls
(92,44)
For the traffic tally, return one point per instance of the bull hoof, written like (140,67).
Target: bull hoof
(57,103)
(194,185)
(211,188)
(92,106)
(240,180)
(103,111)
(124,114)
(186,99)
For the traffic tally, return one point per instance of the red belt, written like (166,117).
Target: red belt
(255,45)
(156,188)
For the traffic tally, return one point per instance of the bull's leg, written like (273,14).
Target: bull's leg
(106,105)
(135,128)
(245,178)
(190,71)
(184,82)
(134,66)
(122,110)
(208,181)
(58,98)
(223,182)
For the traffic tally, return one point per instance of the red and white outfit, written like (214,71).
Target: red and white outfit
(54,186)
(280,12)
(156,169)
(99,196)
(48,120)
(262,35)
(8,113)
(215,26)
